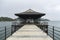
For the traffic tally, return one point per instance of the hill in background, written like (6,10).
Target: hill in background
(6,19)
(10,19)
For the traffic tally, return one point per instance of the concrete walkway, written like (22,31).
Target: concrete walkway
(29,32)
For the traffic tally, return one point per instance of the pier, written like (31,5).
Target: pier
(29,32)
(32,29)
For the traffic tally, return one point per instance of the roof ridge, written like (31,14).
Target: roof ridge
(30,10)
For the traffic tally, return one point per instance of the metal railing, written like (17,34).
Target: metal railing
(54,32)
(5,32)
(44,28)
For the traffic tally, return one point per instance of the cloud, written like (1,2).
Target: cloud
(50,7)
(57,8)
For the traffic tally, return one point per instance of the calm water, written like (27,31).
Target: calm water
(2,24)
(8,25)
(54,23)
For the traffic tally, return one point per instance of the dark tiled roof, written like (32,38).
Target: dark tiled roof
(30,11)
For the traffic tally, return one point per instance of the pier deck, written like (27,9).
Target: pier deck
(29,32)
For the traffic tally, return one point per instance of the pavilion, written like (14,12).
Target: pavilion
(30,16)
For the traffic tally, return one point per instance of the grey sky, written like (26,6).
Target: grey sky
(51,7)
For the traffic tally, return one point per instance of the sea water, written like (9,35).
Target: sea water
(54,23)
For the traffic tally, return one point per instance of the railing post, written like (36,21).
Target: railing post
(5,32)
(47,29)
(53,32)
(11,30)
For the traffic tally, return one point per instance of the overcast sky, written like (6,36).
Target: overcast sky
(50,7)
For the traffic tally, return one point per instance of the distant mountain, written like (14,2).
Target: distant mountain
(42,19)
(6,19)
(10,19)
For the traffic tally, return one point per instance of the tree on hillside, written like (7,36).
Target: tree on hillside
(6,19)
